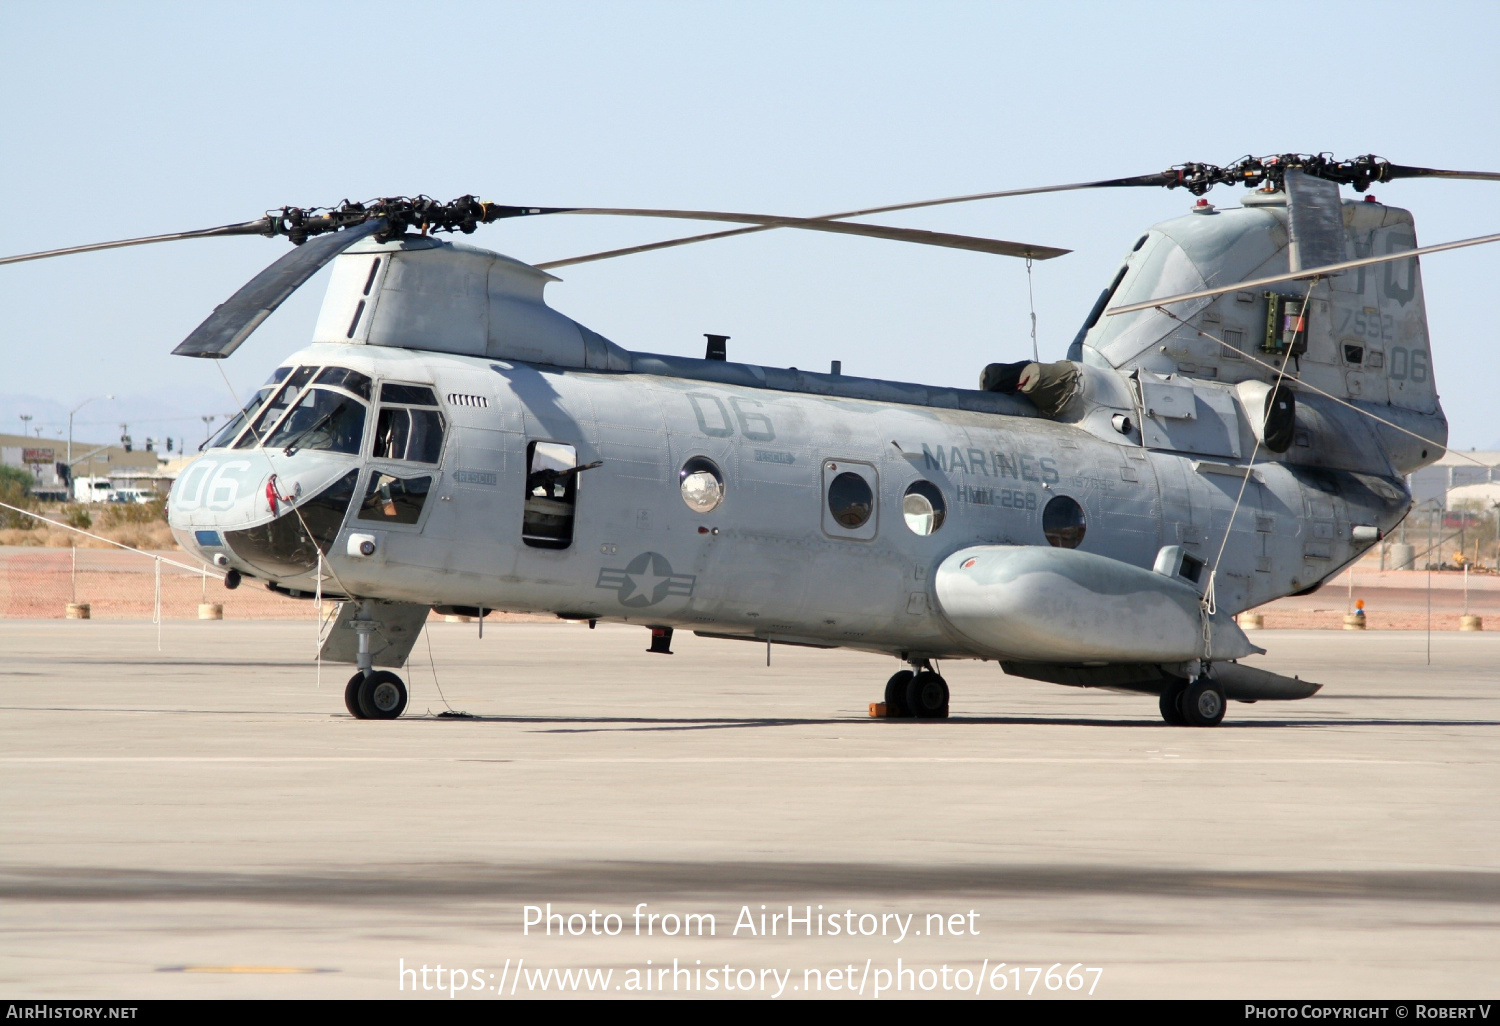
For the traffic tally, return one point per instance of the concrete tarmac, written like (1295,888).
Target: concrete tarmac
(206,821)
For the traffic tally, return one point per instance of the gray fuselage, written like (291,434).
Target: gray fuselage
(771,561)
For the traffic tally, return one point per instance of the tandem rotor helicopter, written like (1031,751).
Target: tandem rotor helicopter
(1233,423)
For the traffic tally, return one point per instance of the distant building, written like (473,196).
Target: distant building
(46,459)
(1455,470)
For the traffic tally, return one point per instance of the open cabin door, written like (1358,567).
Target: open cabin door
(551,495)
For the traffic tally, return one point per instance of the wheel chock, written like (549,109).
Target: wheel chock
(878,710)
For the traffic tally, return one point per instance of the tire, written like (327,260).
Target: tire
(382,696)
(1202,703)
(1171,711)
(351,696)
(895,695)
(927,696)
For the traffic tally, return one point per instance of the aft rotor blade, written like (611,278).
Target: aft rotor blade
(1160,179)
(875,231)
(1312,272)
(257,227)
(233,321)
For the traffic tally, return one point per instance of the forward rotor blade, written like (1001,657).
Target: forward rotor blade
(257,227)
(875,231)
(233,320)
(1394,171)
(1312,272)
(1159,179)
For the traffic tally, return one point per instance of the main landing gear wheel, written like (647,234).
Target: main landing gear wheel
(1202,703)
(382,696)
(895,695)
(927,696)
(351,695)
(1168,703)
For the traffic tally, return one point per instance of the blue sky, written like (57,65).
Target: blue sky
(131,119)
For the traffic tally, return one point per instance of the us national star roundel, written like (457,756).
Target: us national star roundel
(646,580)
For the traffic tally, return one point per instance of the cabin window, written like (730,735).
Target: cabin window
(1063,522)
(551,495)
(923,507)
(394,500)
(850,500)
(702,484)
(850,509)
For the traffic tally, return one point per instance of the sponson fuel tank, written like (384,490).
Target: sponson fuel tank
(1062,605)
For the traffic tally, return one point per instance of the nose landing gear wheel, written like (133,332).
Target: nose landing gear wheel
(382,696)
(1202,703)
(351,696)
(927,696)
(895,695)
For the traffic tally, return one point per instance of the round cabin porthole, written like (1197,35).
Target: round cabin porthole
(850,500)
(702,484)
(923,507)
(1062,522)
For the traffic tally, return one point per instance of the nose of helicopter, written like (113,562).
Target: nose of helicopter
(265,514)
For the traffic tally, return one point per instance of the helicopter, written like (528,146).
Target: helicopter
(1233,423)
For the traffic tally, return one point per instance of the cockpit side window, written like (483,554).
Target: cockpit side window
(394,500)
(408,432)
(408,395)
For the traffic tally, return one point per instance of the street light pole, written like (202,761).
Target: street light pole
(70,428)
(25,429)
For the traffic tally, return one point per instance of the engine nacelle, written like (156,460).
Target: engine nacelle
(1067,606)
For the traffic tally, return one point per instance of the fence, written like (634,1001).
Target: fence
(39,583)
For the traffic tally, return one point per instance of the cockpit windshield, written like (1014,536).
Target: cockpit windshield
(227,433)
(324,420)
(289,394)
(319,417)
(343,377)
